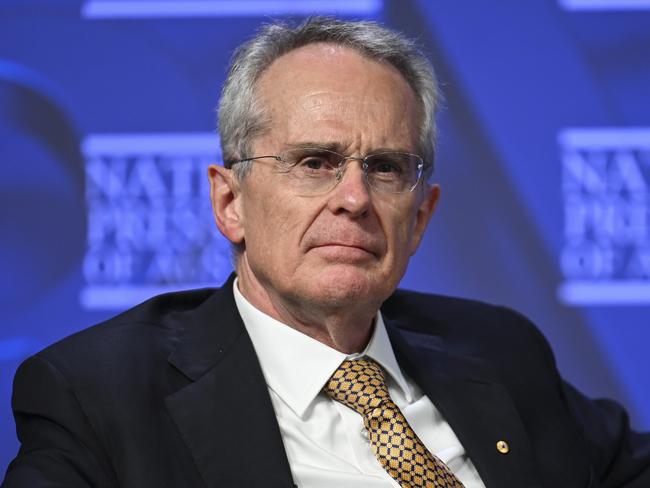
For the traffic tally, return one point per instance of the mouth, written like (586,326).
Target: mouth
(346,249)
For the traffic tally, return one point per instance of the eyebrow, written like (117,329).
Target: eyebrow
(330,146)
(339,147)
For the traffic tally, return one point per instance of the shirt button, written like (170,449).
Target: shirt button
(364,434)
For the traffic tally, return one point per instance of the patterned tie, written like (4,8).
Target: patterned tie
(360,385)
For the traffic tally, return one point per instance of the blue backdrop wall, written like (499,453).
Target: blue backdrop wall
(107,126)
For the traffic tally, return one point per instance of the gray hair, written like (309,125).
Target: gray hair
(241,117)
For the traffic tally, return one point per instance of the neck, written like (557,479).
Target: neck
(346,329)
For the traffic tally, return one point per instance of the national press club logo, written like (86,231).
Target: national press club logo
(150,224)
(606,191)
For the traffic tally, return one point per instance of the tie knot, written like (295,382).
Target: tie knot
(359,384)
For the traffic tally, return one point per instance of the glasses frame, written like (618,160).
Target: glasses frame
(342,165)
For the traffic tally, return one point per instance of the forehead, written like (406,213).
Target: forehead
(329,92)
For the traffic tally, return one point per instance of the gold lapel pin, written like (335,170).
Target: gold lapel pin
(503,447)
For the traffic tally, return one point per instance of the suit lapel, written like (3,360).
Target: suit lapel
(224,414)
(474,402)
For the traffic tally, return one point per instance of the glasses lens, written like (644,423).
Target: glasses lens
(312,170)
(311,161)
(394,172)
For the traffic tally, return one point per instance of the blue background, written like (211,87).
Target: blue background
(514,75)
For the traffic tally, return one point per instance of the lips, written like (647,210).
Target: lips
(334,235)
(370,249)
(345,244)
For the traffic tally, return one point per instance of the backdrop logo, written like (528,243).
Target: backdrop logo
(129,9)
(150,225)
(604,5)
(605,184)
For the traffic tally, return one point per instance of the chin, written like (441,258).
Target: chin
(345,285)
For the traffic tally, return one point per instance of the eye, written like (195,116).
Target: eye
(386,166)
(314,163)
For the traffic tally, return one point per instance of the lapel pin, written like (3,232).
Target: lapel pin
(503,447)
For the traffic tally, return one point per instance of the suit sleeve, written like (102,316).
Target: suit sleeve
(58,445)
(620,456)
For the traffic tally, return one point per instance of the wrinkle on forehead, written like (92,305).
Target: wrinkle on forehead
(350,118)
(326,88)
(344,103)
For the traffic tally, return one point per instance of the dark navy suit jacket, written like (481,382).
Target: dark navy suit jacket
(171,394)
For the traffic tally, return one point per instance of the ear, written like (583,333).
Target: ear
(226,205)
(428,202)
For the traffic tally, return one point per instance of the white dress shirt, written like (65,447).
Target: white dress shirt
(326,442)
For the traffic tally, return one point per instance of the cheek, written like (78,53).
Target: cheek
(274,229)
(398,227)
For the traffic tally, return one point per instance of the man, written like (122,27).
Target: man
(290,375)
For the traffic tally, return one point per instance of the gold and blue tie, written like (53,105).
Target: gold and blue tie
(360,384)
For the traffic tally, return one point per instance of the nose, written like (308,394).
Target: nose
(351,194)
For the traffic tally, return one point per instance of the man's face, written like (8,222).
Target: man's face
(350,246)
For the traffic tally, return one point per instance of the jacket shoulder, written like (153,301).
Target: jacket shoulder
(161,315)
(126,349)
(444,313)
(500,334)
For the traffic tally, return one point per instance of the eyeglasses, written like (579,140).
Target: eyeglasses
(315,171)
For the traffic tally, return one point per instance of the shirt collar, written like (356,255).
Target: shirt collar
(296,367)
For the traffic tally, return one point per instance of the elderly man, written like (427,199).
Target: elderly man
(308,369)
